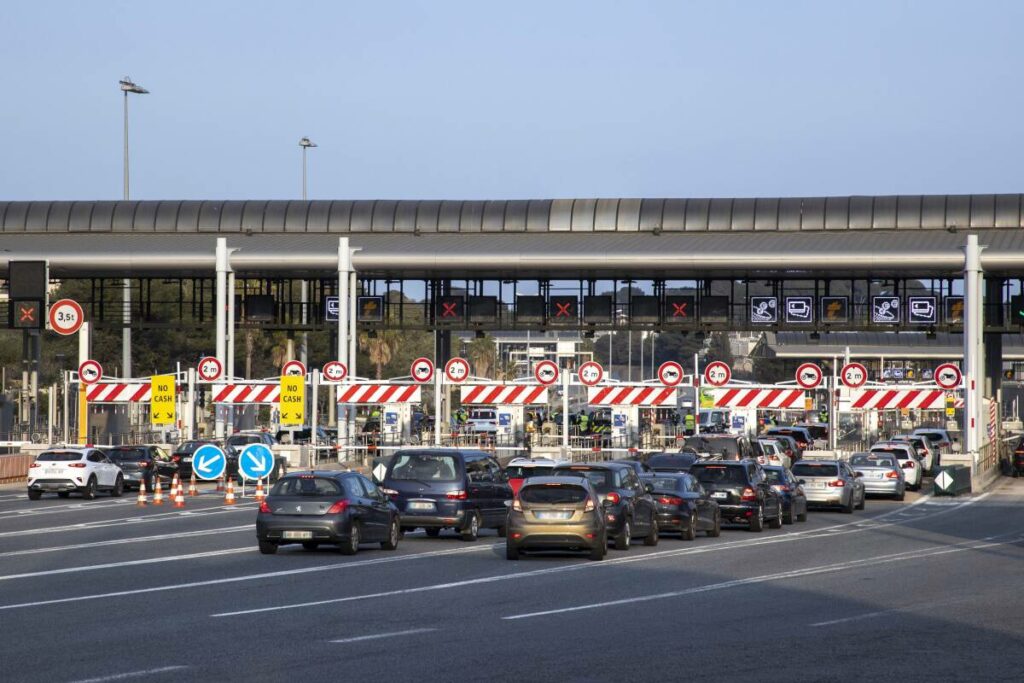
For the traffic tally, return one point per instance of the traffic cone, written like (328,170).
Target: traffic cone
(158,494)
(229,497)
(141,500)
(175,483)
(258,496)
(192,490)
(220,483)
(179,497)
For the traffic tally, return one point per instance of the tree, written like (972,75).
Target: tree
(380,347)
(483,355)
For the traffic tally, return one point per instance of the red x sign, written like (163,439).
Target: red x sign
(679,310)
(448,309)
(563,310)
(26,313)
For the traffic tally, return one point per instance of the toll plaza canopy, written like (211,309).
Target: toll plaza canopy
(884,236)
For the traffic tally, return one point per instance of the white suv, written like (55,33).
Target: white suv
(86,470)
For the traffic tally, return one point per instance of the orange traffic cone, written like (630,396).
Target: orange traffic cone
(141,500)
(259,496)
(229,497)
(179,497)
(175,483)
(158,494)
(220,483)
(192,490)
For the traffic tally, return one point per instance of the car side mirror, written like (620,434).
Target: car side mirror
(909,465)
(649,488)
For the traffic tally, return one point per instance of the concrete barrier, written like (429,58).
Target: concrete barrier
(14,466)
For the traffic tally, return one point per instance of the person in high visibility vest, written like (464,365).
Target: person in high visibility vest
(689,423)
(584,423)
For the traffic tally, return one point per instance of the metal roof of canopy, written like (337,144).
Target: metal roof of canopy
(811,237)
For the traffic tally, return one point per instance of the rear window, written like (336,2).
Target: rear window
(872,461)
(424,467)
(670,461)
(315,487)
(901,453)
(553,494)
(481,415)
(813,469)
(127,454)
(719,474)
(190,446)
(601,480)
(521,472)
(774,476)
(59,456)
(243,440)
(817,431)
(663,483)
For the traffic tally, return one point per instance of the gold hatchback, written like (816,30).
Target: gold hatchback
(556,513)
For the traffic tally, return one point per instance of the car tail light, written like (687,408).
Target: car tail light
(176,458)
(892,474)
(456,495)
(612,498)
(143,463)
(264,507)
(338,507)
(77,464)
(670,500)
(35,464)
(748,494)
(388,492)
(589,507)
(838,483)
(908,465)
(517,505)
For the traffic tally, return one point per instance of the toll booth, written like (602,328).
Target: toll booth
(394,399)
(509,402)
(623,401)
(881,408)
(109,402)
(745,401)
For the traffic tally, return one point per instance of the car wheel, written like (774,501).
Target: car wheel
(624,537)
(776,521)
(848,508)
(901,495)
(863,501)
(394,533)
(802,517)
(502,531)
(35,495)
(63,494)
(651,539)
(512,551)
(310,545)
(268,548)
(118,489)
(690,531)
(599,550)
(350,546)
(433,532)
(471,532)
(716,530)
(790,516)
(757,520)
(89,492)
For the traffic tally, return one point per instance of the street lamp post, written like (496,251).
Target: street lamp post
(305,144)
(127,86)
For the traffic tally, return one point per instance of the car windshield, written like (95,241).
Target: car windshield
(901,453)
(601,480)
(815,469)
(817,431)
(317,487)
(59,456)
(243,439)
(190,446)
(663,483)
(867,460)
(719,474)
(522,471)
(425,467)
(774,476)
(553,494)
(127,454)
(932,436)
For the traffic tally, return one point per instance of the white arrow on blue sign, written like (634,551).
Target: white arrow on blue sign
(256,461)
(209,462)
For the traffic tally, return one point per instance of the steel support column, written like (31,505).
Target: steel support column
(974,363)
(221,322)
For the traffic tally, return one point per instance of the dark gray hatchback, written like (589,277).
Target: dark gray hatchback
(443,488)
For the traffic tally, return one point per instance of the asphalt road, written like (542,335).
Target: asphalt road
(929,589)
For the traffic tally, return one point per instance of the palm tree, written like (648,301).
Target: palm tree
(482,354)
(380,348)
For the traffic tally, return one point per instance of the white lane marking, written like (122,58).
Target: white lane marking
(250,577)
(780,576)
(124,521)
(811,534)
(129,563)
(123,541)
(131,674)
(65,508)
(887,612)
(359,639)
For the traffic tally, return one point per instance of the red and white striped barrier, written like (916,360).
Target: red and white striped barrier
(379,393)
(895,399)
(631,396)
(503,394)
(248,393)
(765,398)
(118,392)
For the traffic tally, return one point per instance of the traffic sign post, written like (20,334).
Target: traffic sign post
(209,369)
(456,370)
(948,376)
(422,370)
(853,375)
(334,371)
(293,401)
(717,374)
(255,461)
(209,462)
(90,372)
(670,373)
(590,373)
(66,317)
(546,372)
(294,368)
(161,400)
(808,376)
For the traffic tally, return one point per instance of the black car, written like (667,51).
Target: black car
(340,508)
(794,502)
(182,455)
(683,505)
(140,463)
(742,492)
(723,446)
(629,508)
(439,488)
(641,468)
(672,462)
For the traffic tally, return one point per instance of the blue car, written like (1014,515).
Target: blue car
(794,503)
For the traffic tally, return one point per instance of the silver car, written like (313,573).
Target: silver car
(830,483)
(881,474)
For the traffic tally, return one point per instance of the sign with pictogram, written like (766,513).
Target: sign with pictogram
(422,369)
(25,315)
(255,461)
(294,368)
(66,317)
(334,371)
(161,400)
(670,373)
(90,372)
(590,373)
(808,375)
(209,462)
(293,401)
(717,374)
(209,369)
(679,309)
(546,372)
(853,375)
(456,370)
(835,309)
(948,376)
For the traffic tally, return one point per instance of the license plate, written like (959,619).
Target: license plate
(419,505)
(878,475)
(53,470)
(817,484)
(186,459)
(553,515)
(719,494)
(297,535)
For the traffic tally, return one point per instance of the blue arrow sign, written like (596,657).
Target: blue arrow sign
(256,461)
(209,462)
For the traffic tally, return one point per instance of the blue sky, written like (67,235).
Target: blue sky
(468,100)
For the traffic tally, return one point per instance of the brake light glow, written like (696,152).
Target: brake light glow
(143,463)
(838,483)
(176,458)
(456,495)
(612,498)
(748,494)
(77,464)
(670,500)
(892,474)
(589,507)
(338,507)
(35,464)
(517,505)
(264,507)
(908,465)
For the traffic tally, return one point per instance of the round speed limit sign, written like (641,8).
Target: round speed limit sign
(591,373)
